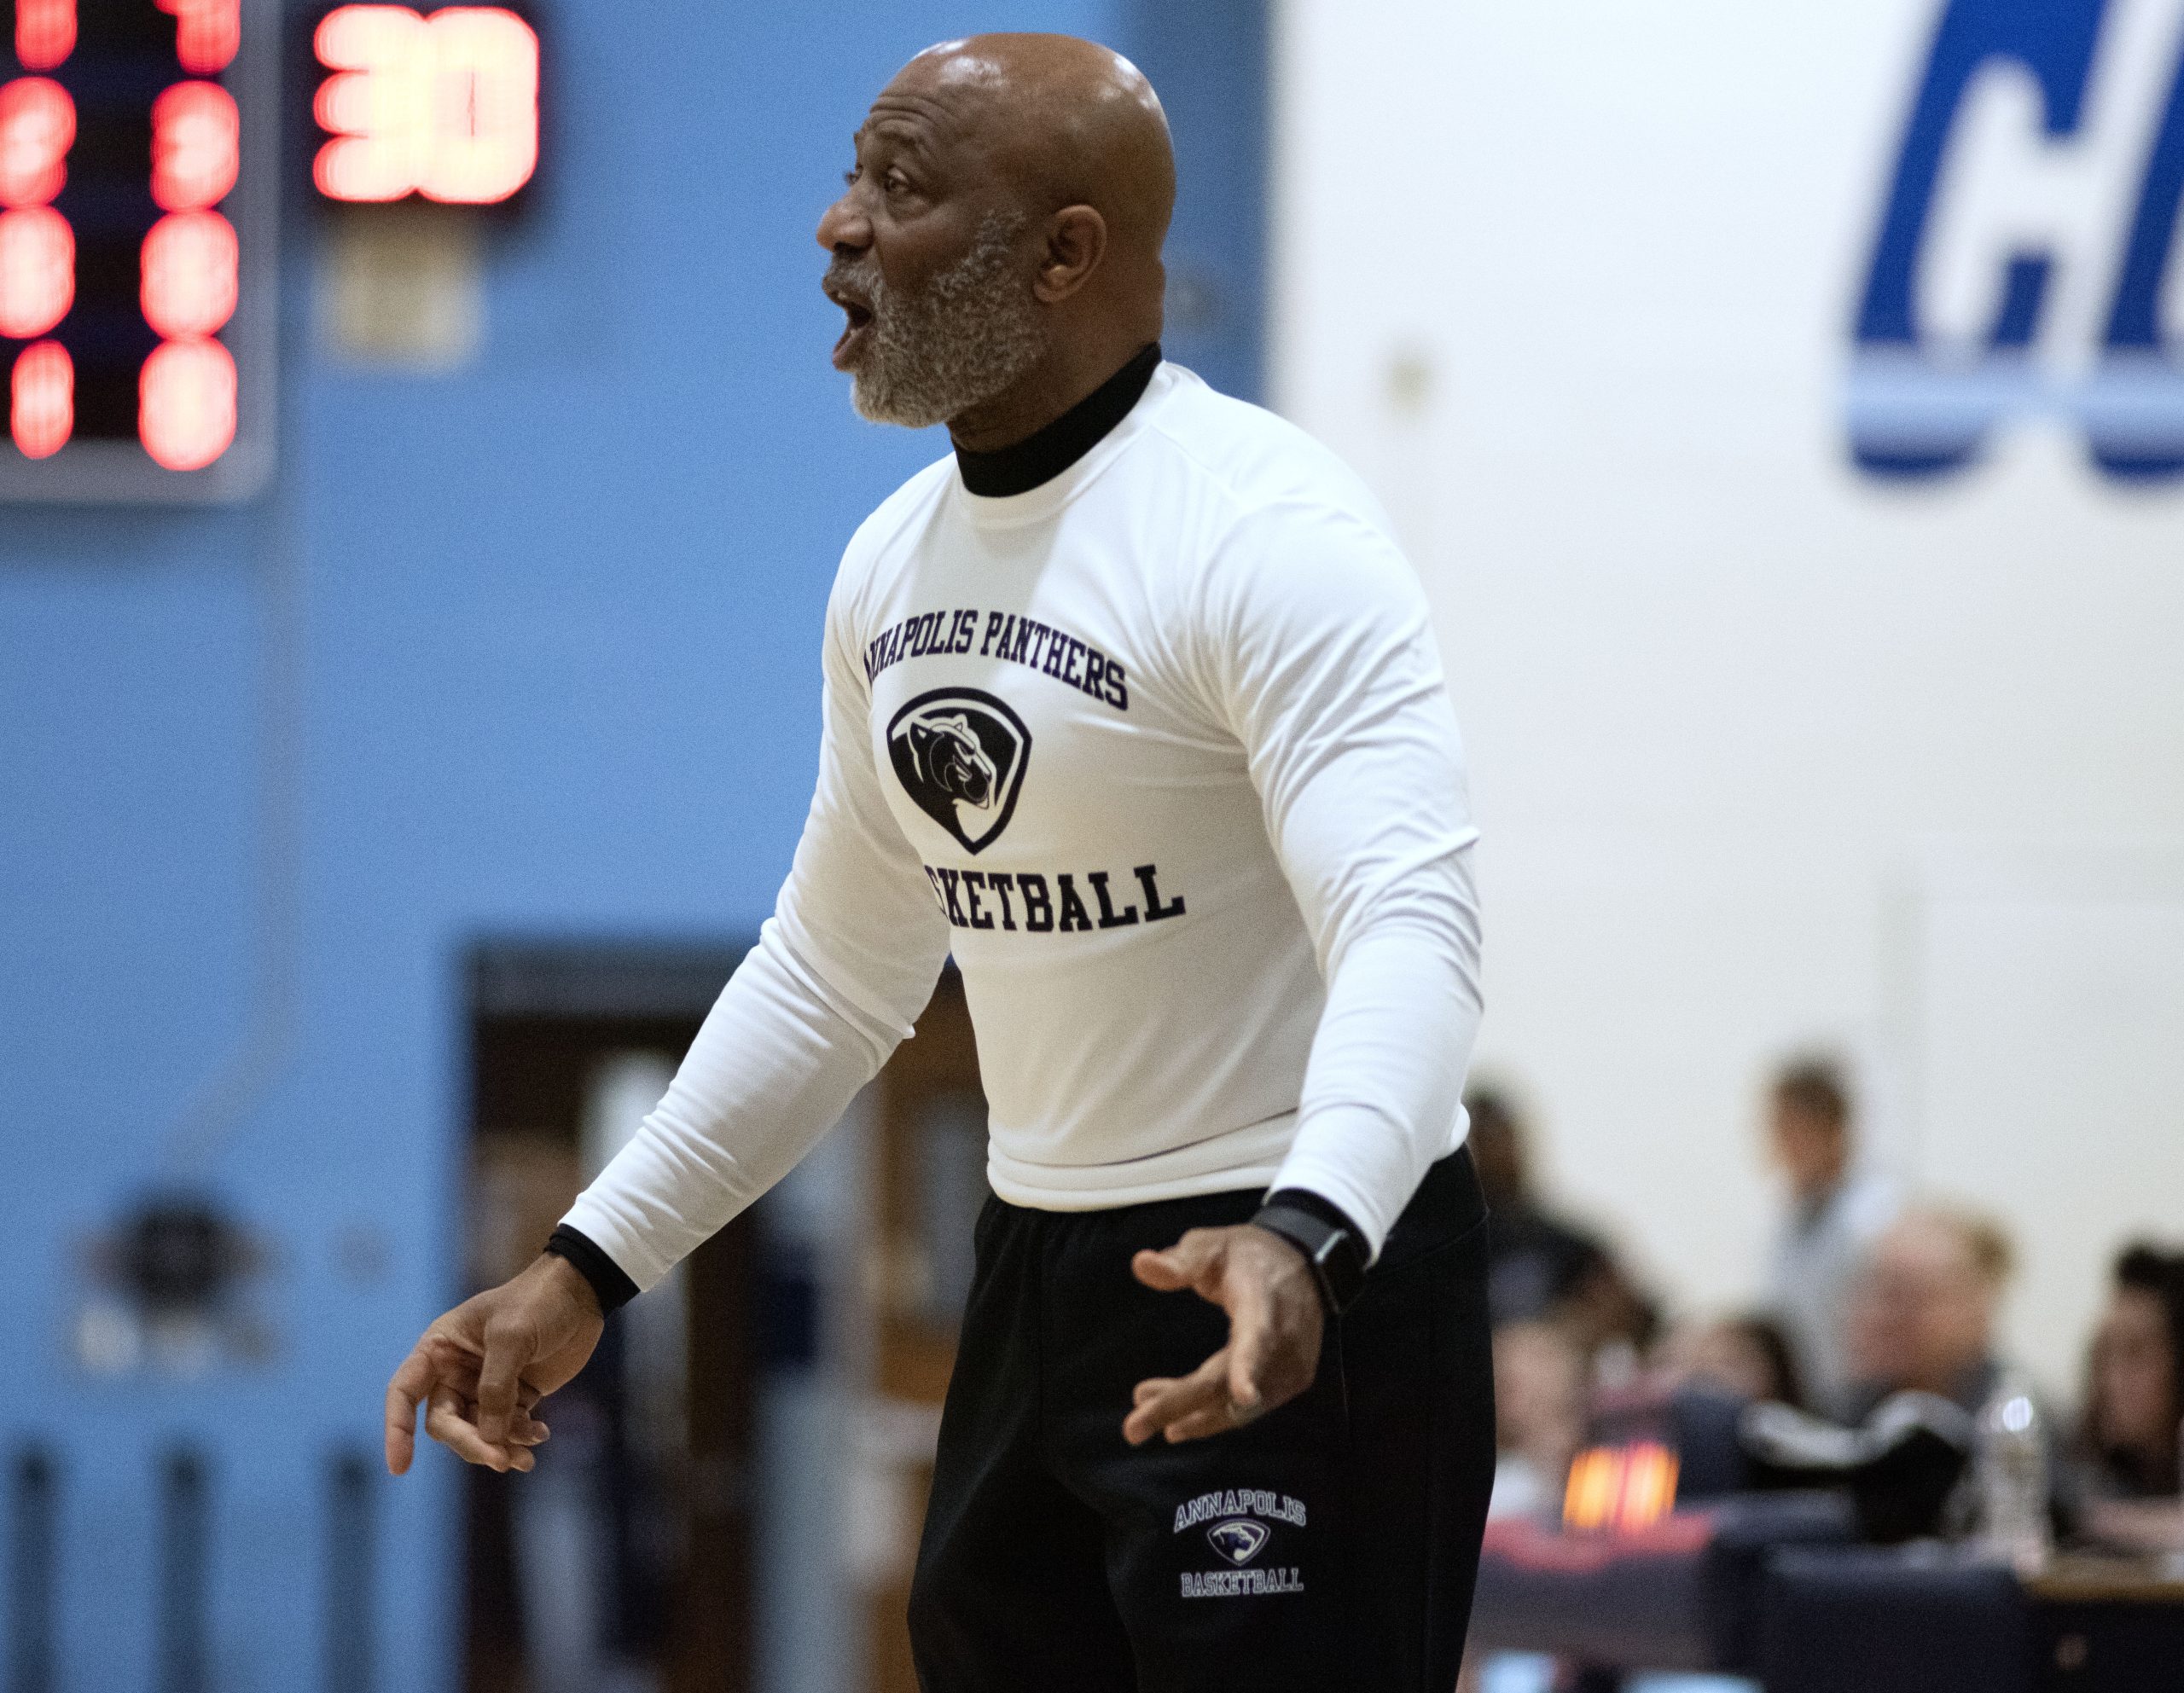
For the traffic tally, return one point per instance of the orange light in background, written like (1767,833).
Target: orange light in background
(1588,1496)
(45,33)
(186,409)
(1624,1488)
(1649,1472)
(207,34)
(42,400)
(189,274)
(446,107)
(38,271)
(38,126)
(196,146)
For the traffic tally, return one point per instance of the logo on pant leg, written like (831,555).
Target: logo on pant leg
(1239,1533)
(1239,1540)
(960,755)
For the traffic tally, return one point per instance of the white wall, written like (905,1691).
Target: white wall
(1571,282)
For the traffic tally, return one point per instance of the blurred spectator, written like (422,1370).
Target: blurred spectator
(1922,1312)
(1538,1259)
(1747,1355)
(1922,1318)
(1835,1214)
(1543,1267)
(2134,1381)
(1539,1416)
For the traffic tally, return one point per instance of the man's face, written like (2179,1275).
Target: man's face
(1923,1314)
(929,263)
(1808,1146)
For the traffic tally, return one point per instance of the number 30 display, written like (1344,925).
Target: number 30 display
(444,106)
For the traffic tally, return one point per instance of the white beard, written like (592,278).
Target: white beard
(969,334)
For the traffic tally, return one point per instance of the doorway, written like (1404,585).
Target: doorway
(778,1397)
(623,1564)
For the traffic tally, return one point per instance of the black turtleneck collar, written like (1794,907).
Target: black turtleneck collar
(1043,457)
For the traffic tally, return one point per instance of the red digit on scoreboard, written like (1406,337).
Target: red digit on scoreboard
(45,33)
(38,271)
(484,106)
(196,146)
(42,400)
(38,126)
(186,409)
(190,271)
(207,34)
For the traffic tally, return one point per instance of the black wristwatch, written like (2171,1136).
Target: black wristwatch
(1329,1241)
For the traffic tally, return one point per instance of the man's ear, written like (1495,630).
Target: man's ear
(1077,241)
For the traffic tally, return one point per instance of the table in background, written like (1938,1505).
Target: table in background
(1871,1620)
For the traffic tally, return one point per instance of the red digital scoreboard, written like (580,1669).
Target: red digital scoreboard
(440,105)
(138,148)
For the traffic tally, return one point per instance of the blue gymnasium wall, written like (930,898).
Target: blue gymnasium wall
(555,619)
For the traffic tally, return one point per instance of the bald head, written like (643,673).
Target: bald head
(998,250)
(1066,121)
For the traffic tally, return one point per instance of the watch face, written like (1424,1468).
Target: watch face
(1342,1269)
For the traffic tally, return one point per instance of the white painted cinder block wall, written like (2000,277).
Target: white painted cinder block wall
(1770,754)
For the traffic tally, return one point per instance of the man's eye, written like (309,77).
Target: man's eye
(849,176)
(897,183)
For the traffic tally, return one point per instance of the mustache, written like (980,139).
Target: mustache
(860,276)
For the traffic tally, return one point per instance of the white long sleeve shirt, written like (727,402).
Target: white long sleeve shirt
(1161,750)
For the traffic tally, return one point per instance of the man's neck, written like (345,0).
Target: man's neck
(1046,453)
(1814,1195)
(1056,385)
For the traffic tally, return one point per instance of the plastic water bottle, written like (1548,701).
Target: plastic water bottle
(2013,1479)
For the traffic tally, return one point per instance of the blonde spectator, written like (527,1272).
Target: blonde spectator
(1922,1310)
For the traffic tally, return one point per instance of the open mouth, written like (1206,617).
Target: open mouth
(860,321)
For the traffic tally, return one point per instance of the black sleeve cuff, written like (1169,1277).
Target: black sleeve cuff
(1303,1199)
(612,1287)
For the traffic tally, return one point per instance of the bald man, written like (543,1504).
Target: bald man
(1132,704)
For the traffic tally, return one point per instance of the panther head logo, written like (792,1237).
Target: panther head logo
(948,753)
(1238,1538)
(960,755)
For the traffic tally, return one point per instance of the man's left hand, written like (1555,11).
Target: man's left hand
(1275,1322)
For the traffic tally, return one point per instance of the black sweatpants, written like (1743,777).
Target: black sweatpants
(1331,1545)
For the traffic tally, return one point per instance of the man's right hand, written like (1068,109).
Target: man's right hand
(480,1369)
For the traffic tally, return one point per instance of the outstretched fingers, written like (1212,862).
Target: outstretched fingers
(410,1385)
(1274,1333)
(448,1420)
(1163,1404)
(447,1379)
